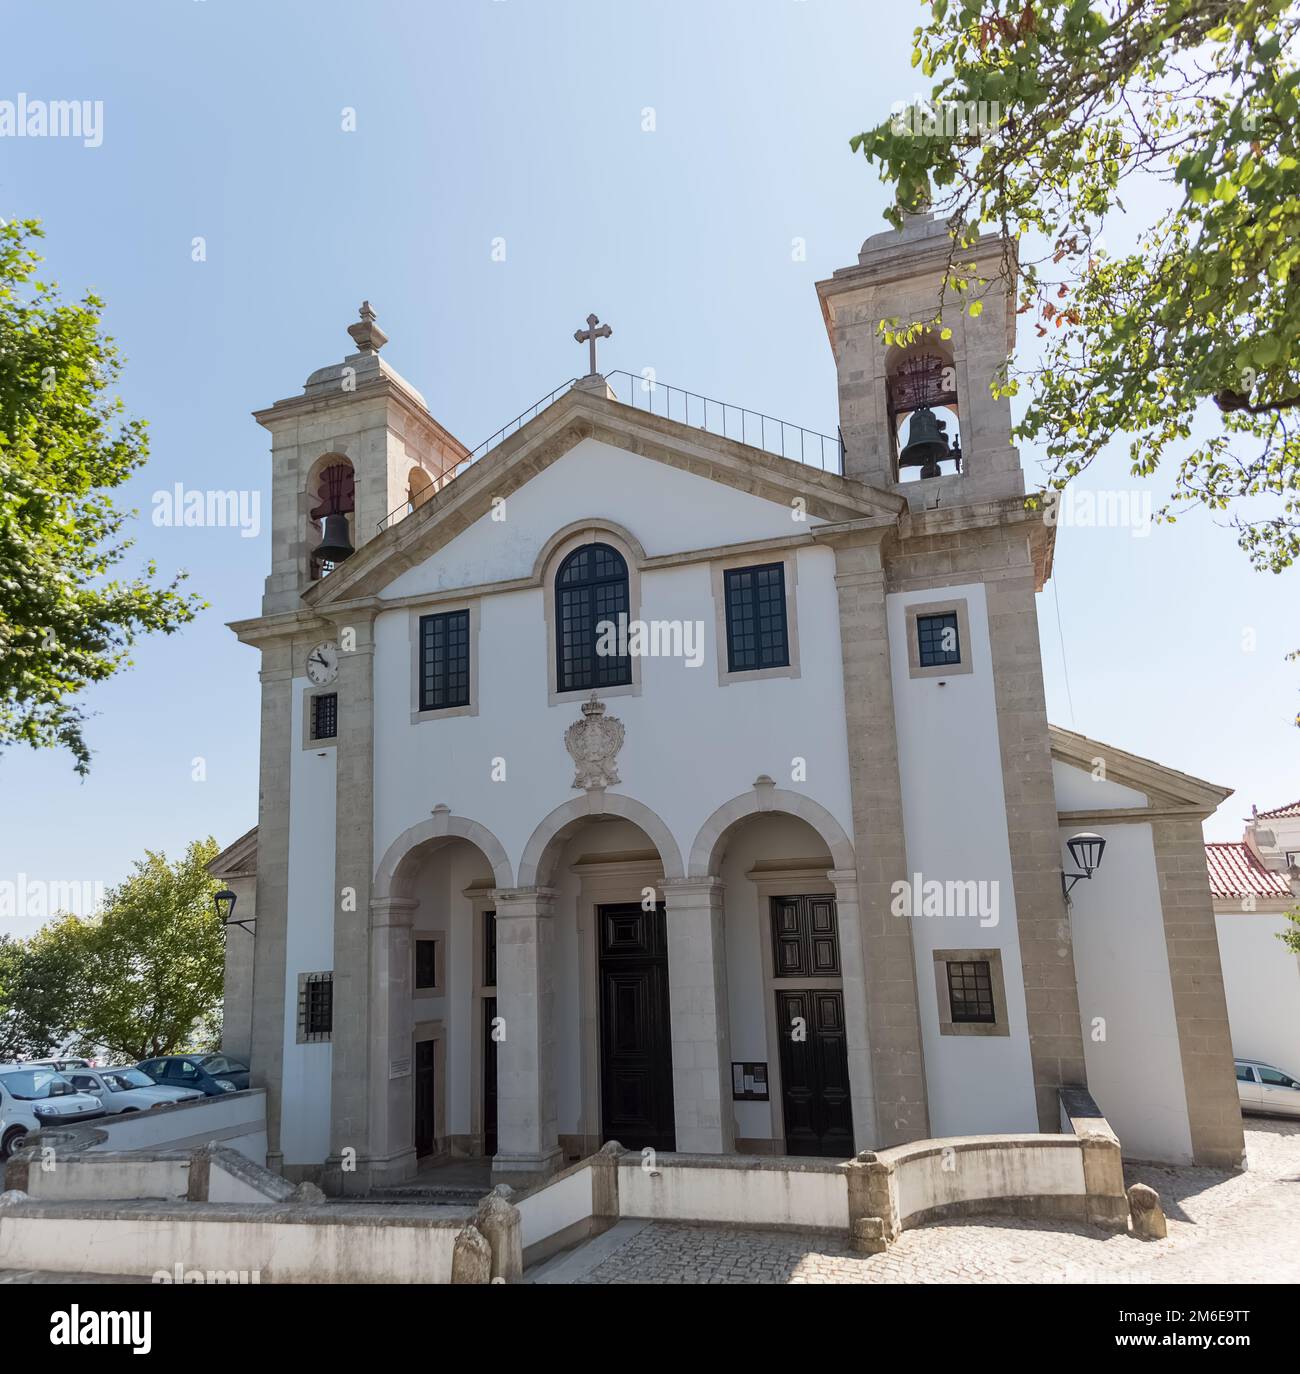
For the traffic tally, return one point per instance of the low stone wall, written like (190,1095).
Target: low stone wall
(332,1243)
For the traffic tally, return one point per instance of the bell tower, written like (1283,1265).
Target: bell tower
(357,447)
(920,419)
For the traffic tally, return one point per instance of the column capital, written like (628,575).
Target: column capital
(389,911)
(846,883)
(524,901)
(709,886)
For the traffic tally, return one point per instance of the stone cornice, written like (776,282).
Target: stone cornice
(1169,792)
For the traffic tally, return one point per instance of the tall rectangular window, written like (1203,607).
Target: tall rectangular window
(757,635)
(325,715)
(444,660)
(315,1006)
(970,991)
(938,642)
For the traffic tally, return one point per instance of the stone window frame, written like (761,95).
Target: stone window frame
(309,694)
(789,559)
(957,606)
(414,616)
(318,1037)
(999,1026)
(589,534)
(439,940)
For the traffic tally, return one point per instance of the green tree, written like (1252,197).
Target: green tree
(64,621)
(1041,115)
(145,975)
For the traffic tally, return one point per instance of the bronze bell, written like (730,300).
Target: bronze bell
(336,542)
(927,443)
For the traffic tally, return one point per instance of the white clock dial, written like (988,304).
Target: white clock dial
(323,663)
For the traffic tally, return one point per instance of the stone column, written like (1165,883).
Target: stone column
(390,1106)
(701,1023)
(527,1132)
(854,984)
(266,1051)
(893,1023)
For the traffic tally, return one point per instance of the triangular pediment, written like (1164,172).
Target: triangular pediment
(1167,790)
(578,416)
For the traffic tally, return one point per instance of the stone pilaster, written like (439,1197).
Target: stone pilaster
(527,1131)
(697,990)
(1200,1005)
(268,1012)
(1033,834)
(856,1004)
(889,969)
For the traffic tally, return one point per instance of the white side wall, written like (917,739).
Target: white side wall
(954,816)
(309,940)
(1262,980)
(1130,1037)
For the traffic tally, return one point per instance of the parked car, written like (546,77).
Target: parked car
(227,1066)
(34,1097)
(186,1071)
(127,1090)
(58,1065)
(1264,1088)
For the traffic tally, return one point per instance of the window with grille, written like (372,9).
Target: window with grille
(444,660)
(757,635)
(325,715)
(315,1006)
(591,590)
(937,640)
(970,991)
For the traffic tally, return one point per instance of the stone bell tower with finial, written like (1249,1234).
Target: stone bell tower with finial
(357,447)
(920,419)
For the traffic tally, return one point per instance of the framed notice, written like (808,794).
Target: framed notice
(749,1082)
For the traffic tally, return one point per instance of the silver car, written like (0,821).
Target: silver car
(126,1089)
(1263,1088)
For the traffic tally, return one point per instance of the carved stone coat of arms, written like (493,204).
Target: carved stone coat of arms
(593,742)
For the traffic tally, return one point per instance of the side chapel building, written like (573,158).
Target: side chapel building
(515,896)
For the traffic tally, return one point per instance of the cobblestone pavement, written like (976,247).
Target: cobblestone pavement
(1223,1228)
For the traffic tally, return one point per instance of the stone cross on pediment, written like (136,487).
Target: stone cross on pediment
(594,330)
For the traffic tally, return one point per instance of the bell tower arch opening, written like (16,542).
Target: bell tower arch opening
(924,413)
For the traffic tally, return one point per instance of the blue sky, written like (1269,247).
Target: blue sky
(514,119)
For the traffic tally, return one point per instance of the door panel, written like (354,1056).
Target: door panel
(814,1073)
(635,1037)
(424,1098)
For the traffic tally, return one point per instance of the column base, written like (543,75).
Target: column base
(367,1173)
(525,1171)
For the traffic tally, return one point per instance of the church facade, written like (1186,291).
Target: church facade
(628,781)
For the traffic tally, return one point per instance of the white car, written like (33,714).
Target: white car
(32,1098)
(1263,1088)
(126,1089)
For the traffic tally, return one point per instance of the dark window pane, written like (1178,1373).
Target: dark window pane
(444,660)
(970,990)
(755,615)
(591,590)
(489,949)
(318,1006)
(426,963)
(937,641)
(325,715)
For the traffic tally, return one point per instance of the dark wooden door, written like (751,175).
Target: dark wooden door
(489,1078)
(425,1098)
(816,1105)
(636,1060)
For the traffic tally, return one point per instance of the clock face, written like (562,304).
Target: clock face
(323,663)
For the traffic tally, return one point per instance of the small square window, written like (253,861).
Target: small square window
(315,1006)
(444,660)
(426,965)
(325,716)
(970,992)
(938,640)
(757,635)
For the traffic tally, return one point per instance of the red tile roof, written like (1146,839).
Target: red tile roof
(1236,872)
(1292,809)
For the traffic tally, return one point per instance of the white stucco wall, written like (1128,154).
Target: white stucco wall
(309,940)
(954,816)
(1130,1037)
(1262,980)
(681,713)
(1077,790)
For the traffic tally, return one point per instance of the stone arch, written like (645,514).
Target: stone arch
(590,531)
(766,797)
(543,847)
(393,872)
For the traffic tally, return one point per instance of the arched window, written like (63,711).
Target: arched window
(591,595)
